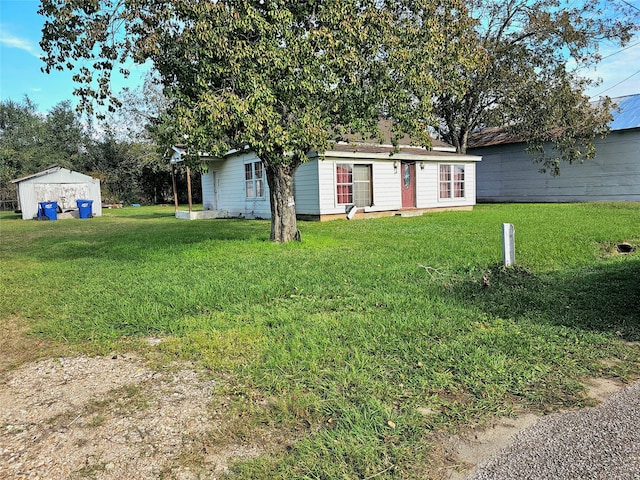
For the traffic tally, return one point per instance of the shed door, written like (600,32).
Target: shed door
(408,184)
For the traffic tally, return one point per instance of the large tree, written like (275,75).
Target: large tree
(281,77)
(532,81)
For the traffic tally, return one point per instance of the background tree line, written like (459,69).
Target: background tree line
(120,150)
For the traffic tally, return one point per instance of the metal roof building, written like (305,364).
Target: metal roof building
(628,113)
(507,172)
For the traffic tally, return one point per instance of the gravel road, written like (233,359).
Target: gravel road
(601,443)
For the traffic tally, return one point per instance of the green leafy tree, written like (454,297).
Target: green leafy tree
(20,131)
(281,77)
(31,141)
(116,163)
(65,135)
(530,82)
(135,126)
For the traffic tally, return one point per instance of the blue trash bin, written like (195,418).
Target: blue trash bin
(84,208)
(48,210)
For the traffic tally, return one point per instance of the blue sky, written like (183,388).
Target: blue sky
(20,30)
(20,75)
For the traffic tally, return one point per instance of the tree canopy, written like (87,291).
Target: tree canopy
(281,77)
(30,141)
(531,81)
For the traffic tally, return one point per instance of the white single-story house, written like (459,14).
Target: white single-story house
(60,185)
(508,174)
(373,178)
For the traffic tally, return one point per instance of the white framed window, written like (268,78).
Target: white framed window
(354,184)
(254,179)
(451,181)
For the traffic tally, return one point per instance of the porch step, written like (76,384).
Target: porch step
(410,213)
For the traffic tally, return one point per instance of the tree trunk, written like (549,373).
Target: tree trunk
(283,209)
(464,142)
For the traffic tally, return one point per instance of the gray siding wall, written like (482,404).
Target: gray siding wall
(508,174)
(306,188)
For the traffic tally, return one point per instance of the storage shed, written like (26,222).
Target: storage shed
(60,185)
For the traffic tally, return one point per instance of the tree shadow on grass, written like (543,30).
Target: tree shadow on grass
(139,239)
(603,298)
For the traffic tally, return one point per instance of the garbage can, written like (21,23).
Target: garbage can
(84,208)
(48,210)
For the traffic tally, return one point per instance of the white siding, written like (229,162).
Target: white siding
(327,187)
(386,185)
(427,185)
(229,192)
(508,174)
(387,194)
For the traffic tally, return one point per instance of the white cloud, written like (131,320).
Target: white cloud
(11,41)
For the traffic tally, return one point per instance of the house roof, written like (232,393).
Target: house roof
(403,152)
(385,126)
(626,115)
(356,143)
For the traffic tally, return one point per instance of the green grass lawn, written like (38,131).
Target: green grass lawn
(363,339)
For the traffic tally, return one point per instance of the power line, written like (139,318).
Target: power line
(621,50)
(619,83)
(631,5)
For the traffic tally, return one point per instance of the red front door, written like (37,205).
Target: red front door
(408,184)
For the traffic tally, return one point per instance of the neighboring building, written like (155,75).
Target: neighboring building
(57,184)
(508,174)
(371,177)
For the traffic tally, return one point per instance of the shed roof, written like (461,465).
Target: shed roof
(51,170)
(626,115)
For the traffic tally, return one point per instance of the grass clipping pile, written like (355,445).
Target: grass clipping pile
(111,418)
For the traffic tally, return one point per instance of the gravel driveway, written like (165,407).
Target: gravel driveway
(601,443)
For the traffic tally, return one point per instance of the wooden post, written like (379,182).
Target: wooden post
(173,180)
(508,244)
(189,189)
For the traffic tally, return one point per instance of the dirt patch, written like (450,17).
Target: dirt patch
(112,418)
(16,347)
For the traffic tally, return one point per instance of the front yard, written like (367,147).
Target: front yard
(346,355)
